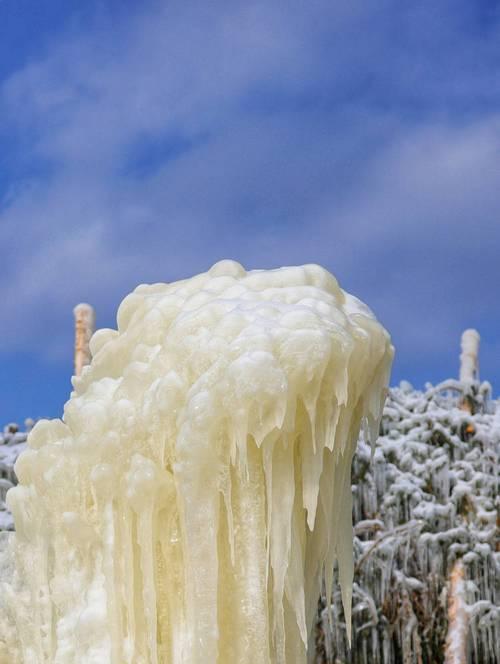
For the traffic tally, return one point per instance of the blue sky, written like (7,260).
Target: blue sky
(144,141)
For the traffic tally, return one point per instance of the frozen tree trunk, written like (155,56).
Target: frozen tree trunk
(84,328)
(458,624)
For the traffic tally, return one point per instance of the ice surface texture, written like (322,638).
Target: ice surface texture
(199,484)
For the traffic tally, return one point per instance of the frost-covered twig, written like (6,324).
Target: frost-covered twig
(395,532)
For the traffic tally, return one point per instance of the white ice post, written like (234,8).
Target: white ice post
(84,328)
(469,362)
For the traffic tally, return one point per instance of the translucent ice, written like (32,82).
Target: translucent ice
(185,508)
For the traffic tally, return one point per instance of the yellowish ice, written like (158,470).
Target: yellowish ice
(197,490)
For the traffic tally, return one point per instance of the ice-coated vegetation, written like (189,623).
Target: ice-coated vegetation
(428,497)
(12,443)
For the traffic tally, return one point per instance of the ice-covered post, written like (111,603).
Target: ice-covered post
(84,328)
(469,367)
(199,486)
(469,358)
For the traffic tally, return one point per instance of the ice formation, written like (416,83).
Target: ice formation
(186,507)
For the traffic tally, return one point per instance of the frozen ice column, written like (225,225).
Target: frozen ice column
(198,488)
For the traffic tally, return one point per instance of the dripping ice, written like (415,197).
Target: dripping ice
(186,506)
